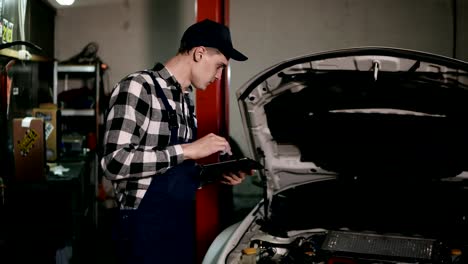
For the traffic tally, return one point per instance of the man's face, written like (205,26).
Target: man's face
(208,68)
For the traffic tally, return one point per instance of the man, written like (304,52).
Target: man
(150,146)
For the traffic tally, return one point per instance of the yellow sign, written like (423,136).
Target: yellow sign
(27,142)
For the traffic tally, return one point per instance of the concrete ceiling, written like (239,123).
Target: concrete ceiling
(81,3)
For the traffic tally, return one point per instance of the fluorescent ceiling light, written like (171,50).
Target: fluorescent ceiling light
(65,2)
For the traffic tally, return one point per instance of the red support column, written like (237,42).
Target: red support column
(212,108)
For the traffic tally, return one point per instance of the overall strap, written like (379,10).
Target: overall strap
(172,115)
(191,121)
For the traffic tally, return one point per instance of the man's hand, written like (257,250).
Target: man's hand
(206,146)
(235,178)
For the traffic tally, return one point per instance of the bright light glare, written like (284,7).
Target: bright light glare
(65,2)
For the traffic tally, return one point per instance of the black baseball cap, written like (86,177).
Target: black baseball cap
(211,34)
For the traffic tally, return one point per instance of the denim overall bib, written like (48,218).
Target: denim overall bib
(162,229)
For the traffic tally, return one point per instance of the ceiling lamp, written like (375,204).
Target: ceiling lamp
(65,2)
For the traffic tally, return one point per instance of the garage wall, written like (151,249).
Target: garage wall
(132,34)
(269,31)
(462,30)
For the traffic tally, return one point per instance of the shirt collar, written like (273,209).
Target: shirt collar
(169,77)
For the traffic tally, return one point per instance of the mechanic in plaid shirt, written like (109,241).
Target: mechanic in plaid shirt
(150,146)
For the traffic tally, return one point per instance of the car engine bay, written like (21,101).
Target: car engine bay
(342,222)
(339,247)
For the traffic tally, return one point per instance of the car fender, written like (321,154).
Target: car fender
(214,251)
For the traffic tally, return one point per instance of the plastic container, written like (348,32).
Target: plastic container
(249,256)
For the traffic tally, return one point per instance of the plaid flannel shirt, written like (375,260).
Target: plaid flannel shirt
(137,135)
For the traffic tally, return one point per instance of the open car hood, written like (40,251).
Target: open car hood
(371,112)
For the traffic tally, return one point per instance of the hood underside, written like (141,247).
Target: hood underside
(367,112)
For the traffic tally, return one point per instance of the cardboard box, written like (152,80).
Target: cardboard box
(51,116)
(29,149)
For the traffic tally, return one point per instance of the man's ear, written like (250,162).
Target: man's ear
(198,53)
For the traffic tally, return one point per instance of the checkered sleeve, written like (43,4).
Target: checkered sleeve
(126,154)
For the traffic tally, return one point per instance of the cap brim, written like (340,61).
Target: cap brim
(236,55)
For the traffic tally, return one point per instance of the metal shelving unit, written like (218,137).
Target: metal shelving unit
(67,73)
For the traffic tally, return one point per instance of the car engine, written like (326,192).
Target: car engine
(412,223)
(346,247)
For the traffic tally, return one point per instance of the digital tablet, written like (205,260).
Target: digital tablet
(214,171)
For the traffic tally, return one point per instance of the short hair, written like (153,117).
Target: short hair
(184,47)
